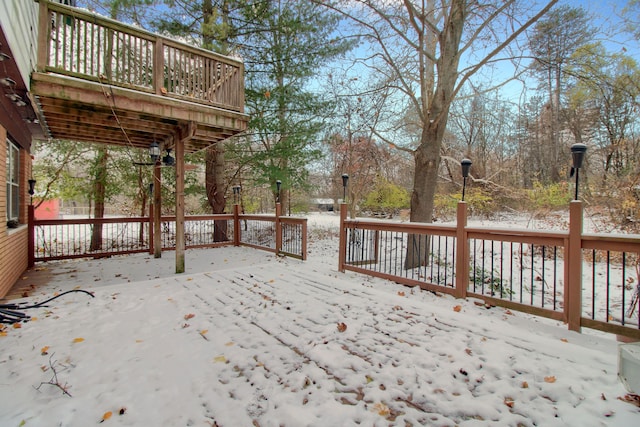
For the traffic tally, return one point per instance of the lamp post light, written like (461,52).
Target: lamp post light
(32,188)
(154,151)
(577,153)
(278,185)
(345,181)
(466,167)
(168,160)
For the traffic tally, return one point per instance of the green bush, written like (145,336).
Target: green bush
(386,197)
(480,203)
(552,196)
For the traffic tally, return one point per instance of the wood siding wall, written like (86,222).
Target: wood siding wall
(13,242)
(20,25)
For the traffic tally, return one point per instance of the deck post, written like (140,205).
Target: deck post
(278,228)
(462,252)
(342,251)
(180,243)
(236,225)
(157,210)
(573,268)
(31,235)
(151,222)
(158,66)
(44,32)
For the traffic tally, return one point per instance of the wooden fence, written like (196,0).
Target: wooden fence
(103,237)
(585,280)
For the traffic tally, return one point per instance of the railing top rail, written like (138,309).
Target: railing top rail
(517,232)
(116,25)
(293,219)
(111,220)
(408,227)
(632,238)
(259,217)
(612,242)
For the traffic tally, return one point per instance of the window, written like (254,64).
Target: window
(13,181)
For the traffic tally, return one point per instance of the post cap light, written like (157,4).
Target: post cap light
(345,179)
(466,167)
(154,151)
(32,187)
(577,152)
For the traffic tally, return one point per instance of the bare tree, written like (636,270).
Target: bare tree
(425,52)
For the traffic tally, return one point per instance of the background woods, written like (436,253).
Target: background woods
(395,95)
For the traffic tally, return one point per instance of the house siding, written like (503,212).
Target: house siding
(13,242)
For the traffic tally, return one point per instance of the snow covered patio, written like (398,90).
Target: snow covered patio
(247,338)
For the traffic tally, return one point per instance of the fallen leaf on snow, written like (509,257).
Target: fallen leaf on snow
(106,416)
(400,293)
(77,340)
(564,340)
(189,316)
(509,402)
(44,350)
(342,327)
(220,359)
(457,308)
(17,325)
(525,384)
(550,379)
(382,409)
(632,398)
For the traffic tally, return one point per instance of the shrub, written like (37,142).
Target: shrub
(386,197)
(551,197)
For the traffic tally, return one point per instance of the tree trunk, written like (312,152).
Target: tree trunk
(425,181)
(436,115)
(99,192)
(214,158)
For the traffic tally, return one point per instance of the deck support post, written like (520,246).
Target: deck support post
(180,243)
(573,271)
(278,228)
(157,210)
(342,251)
(184,134)
(462,252)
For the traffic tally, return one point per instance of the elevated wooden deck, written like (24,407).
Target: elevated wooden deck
(99,80)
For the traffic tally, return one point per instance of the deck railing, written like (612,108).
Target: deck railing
(586,280)
(96,238)
(85,45)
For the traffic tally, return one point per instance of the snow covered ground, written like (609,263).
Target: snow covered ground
(248,339)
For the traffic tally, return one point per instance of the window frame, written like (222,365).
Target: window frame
(13,181)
